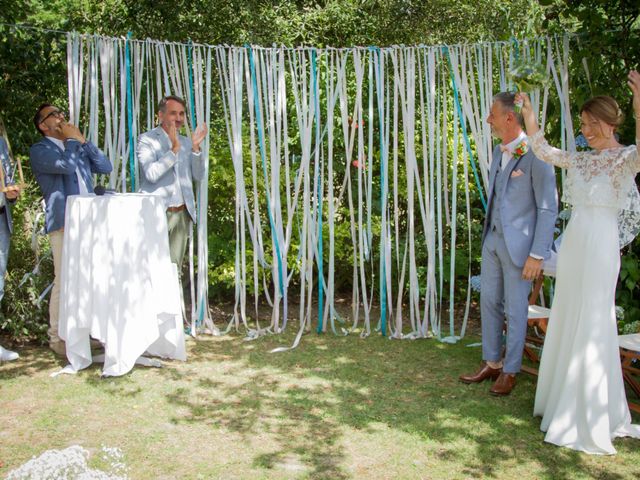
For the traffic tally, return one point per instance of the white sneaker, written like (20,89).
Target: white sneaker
(7,355)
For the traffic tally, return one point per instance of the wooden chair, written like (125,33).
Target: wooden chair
(537,322)
(629,345)
(630,359)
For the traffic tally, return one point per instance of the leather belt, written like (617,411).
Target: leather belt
(179,208)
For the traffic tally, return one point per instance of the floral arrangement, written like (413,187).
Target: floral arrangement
(528,76)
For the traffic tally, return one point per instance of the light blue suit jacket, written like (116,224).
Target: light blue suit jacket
(530,206)
(55,172)
(159,167)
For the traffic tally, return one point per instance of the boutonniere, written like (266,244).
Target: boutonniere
(520,150)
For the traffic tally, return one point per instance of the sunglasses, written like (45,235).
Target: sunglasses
(53,113)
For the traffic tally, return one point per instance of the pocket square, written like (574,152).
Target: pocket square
(516,173)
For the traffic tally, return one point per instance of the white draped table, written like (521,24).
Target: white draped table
(118,284)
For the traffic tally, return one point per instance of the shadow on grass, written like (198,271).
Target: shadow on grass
(257,404)
(32,360)
(303,406)
(117,387)
(304,399)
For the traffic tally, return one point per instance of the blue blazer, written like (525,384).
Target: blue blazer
(55,172)
(530,205)
(6,166)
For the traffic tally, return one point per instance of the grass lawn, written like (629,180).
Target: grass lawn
(334,408)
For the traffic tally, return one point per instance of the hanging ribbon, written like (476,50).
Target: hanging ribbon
(456,98)
(406,124)
(264,168)
(132,171)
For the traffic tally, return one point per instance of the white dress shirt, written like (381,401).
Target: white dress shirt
(177,198)
(507,150)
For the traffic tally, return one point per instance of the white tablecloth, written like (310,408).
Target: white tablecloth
(118,284)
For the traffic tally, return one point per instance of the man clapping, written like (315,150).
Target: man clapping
(169,162)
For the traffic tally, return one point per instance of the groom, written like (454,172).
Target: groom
(517,237)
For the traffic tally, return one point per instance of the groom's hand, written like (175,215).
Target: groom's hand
(532,268)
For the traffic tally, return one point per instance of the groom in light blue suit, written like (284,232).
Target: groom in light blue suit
(518,233)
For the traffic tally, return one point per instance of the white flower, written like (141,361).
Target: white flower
(70,464)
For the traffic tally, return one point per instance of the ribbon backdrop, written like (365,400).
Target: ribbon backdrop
(378,145)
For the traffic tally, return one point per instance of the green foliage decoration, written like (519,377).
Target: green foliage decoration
(25,315)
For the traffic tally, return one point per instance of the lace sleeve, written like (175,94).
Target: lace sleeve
(549,154)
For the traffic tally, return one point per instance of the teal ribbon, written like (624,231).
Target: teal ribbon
(316,103)
(383,198)
(463,126)
(516,48)
(192,102)
(132,161)
(263,156)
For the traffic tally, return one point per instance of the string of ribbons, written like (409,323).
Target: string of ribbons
(372,149)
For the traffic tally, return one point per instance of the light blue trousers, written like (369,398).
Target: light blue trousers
(504,294)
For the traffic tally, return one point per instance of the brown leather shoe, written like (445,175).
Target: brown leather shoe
(504,384)
(484,372)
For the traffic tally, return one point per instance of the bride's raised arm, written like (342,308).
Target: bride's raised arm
(539,145)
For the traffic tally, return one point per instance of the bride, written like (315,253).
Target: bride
(580,393)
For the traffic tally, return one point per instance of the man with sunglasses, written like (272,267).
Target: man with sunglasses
(63,163)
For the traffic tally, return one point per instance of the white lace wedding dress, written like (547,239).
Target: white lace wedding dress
(580,393)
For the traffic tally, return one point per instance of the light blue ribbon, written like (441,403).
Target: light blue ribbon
(192,106)
(516,48)
(274,233)
(192,103)
(383,199)
(316,104)
(132,161)
(463,126)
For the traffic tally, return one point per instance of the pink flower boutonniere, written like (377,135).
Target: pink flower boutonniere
(520,150)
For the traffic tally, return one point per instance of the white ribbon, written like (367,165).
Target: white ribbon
(396,165)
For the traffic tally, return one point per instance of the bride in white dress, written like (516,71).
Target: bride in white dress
(580,393)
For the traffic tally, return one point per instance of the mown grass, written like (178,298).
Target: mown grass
(335,408)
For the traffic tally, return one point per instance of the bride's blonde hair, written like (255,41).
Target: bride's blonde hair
(604,108)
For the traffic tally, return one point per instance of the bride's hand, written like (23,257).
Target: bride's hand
(530,121)
(523,99)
